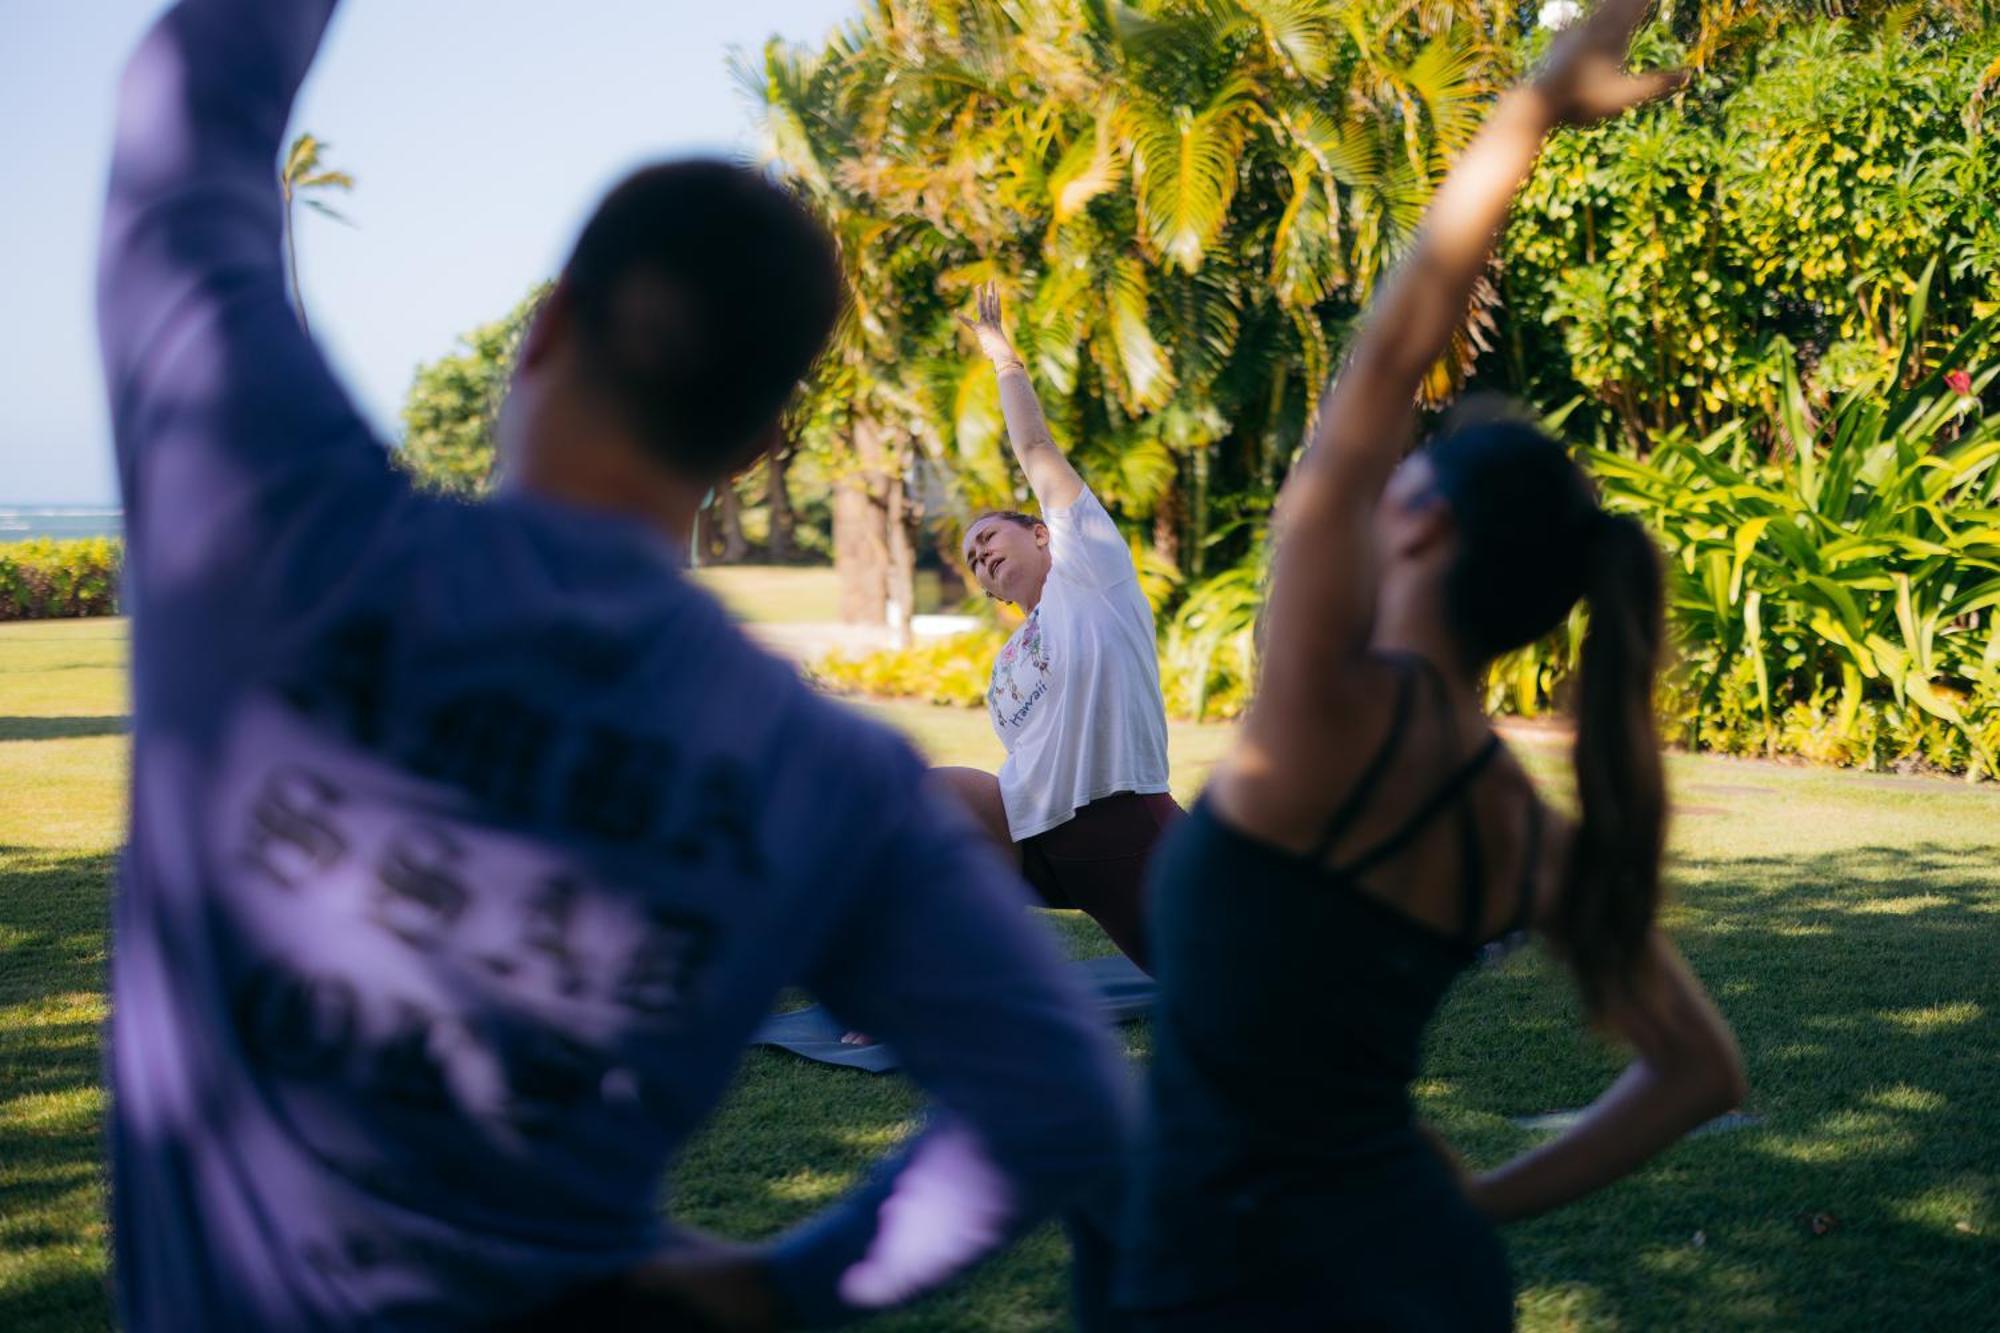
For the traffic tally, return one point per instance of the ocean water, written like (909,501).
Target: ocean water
(19,523)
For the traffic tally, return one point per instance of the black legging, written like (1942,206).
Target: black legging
(1095,862)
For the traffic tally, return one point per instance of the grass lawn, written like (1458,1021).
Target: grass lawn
(779,594)
(794,595)
(1849,925)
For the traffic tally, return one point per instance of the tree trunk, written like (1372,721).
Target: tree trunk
(900,529)
(729,520)
(292,260)
(1167,523)
(706,548)
(860,547)
(779,498)
(1197,516)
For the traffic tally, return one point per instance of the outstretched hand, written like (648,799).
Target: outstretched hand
(1584,79)
(985,326)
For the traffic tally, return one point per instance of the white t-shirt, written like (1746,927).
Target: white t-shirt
(1075,696)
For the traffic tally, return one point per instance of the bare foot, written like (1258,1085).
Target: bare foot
(856,1039)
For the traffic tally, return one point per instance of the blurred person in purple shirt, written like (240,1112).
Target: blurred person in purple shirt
(470,843)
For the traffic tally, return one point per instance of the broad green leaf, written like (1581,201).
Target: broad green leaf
(1089,167)
(1746,541)
(1148,379)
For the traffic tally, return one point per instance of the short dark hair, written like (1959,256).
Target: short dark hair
(702,293)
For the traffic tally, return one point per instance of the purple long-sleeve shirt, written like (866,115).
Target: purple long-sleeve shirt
(470,843)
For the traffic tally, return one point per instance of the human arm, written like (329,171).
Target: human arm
(1054,482)
(217,396)
(1687,1070)
(1321,605)
(939,960)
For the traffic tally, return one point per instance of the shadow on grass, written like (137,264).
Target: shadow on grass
(61,728)
(1860,983)
(793,1136)
(53,921)
(1862,988)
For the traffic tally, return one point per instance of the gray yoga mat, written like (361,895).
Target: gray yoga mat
(1554,1122)
(1122,989)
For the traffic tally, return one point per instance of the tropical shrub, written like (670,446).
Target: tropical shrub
(1184,202)
(1670,266)
(1833,581)
(46,579)
(1208,655)
(1858,564)
(1187,202)
(952,670)
(449,411)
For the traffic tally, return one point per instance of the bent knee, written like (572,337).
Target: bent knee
(979,793)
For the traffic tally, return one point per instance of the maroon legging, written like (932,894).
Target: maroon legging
(1095,862)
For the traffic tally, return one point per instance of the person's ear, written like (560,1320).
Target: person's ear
(1041,534)
(1426,525)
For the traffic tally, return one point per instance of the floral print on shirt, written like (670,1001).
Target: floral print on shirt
(1010,700)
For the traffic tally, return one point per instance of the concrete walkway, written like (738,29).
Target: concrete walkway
(808,641)
(804,641)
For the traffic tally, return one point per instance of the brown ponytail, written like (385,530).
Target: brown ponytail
(1612,892)
(1531,540)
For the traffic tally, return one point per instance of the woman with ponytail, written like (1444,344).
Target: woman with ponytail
(1368,834)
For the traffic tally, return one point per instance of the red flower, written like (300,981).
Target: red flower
(1959,382)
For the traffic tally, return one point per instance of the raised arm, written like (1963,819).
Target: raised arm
(1054,482)
(215,391)
(1322,590)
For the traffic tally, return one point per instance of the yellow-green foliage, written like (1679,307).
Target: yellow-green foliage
(1670,265)
(47,579)
(951,671)
(1201,680)
(448,415)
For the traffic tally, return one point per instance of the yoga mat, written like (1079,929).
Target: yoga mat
(1556,1121)
(1124,992)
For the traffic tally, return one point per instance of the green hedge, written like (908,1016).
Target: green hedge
(47,579)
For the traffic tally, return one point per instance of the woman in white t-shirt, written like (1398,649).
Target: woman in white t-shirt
(1082,799)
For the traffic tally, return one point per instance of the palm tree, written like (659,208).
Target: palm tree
(816,135)
(303,176)
(1184,201)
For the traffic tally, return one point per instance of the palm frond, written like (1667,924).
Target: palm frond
(1089,167)
(1305,246)
(1300,33)
(302,157)
(324,211)
(1144,372)
(1444,80)
(1185,164)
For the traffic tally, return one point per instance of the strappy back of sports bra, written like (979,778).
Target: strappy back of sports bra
(1448,793)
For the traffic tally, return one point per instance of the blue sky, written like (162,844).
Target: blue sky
(479,133)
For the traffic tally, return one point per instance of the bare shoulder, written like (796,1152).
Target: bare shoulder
(1291,756)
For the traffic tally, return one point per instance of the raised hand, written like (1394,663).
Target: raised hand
(1584,79)
(986,329)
